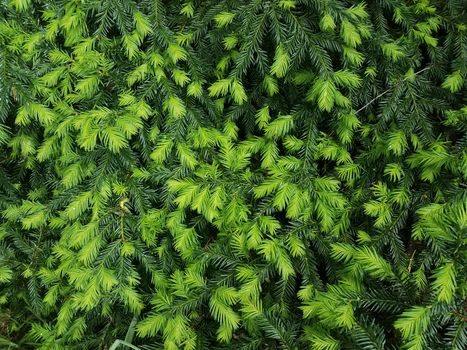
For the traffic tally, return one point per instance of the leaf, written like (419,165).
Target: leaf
(188,9)
(372,263)
(454,82)
(353,56)
(281,62)
(129,124)
(195,89)
(35,110)
(230,42)
(73,175)
(324,341)
(224,18)
(162,150)
(274,252)
(357,11)
(238,92)
(180,77)
(342,252)
(444,284)
(176,53)
(349,172)
(219,88)
(87,255)
(295,246)
(350,34)
(142,24)
(138,74)
(21,5)
(324,93)
(263,117)
(6,274)
(187,192)
(150,325)
(397,142)
(394,171)
(414,321)
(287,4)
(270,85)
(131,299)
(327,23)
(187,156)
(279,126)
(79,204)
(347,79)
(174,106)
(131,44)
(220,307)
(113,138)
(393,51)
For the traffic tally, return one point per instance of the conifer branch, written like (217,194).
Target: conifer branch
(388,90)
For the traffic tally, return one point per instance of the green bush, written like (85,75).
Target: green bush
(282,174)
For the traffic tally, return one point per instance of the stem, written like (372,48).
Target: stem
(385,92)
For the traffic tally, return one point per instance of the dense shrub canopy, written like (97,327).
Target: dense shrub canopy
(282,174)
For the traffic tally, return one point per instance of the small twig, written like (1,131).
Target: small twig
(411,261)
(385,92)
(462,317)
(119,342)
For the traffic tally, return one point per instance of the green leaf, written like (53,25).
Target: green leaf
(224,18)
(174,106)
(322,341)
(188,9)
(263,117)
(327,23)
(454,82)
(270,85)
(142,24)
(372,263)
(230,42)
(186,155)
(219,88)
(397,142)
(113,138)
(273,251)
(131,299)
(357,11)
(445,283)
(5,274)
(151,325)
(324,93)
(279,126)
(352,56)
(180,77)
(350,34)
(238,92)
(176,53)
(347,79)
(138,74)
(281,62)
(394,171)
(393,51)
(287,4)
(195,89)
(20,5)
(131,44)
(79,204)
(413,322)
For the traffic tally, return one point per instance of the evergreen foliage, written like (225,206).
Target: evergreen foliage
(281,174)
